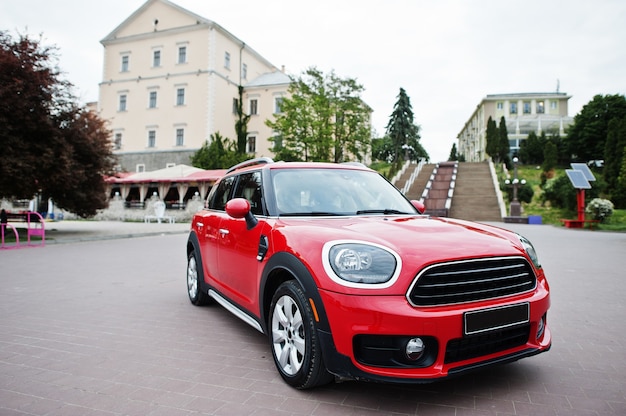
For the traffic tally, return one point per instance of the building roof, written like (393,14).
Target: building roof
(178,173)
(526,95)
(199,22)
(270,78)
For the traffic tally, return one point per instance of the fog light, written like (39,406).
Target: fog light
(414,349)
(541,326)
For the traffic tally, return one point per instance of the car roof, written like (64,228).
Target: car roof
(268,163)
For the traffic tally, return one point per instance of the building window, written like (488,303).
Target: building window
(553,105)
(251,144)
(152,102)
(541,107)
(140,168)
(500,105)
(513,108)
(235,105)
(244,71)
(278,102)
(182,54)
(180,137)
(117,143)
(254,104)
(156,58)
(125,61)
(526,107)
(180,96)
(122,103)
(226,60)
(151,138)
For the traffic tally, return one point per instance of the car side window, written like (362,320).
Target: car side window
(249,187)
(222,193)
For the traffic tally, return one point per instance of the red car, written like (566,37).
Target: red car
(349,280)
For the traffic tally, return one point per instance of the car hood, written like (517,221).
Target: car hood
(419,240)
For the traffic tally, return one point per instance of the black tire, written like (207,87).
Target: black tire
(293,339)
(194,281)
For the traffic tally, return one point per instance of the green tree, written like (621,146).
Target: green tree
(382,149)
(550,156)
(402,130)
(614,150)
(492,138)
(51,146)
(322,119)
(532,148)
(587,136)
(619,192)
(218,153)
(503,144)
(453,154)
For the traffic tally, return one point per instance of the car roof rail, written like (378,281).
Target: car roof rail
(251,162)
(354,164)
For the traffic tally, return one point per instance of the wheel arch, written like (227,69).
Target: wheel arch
(194,245)
(282,267)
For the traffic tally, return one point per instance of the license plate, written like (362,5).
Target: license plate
(485,320)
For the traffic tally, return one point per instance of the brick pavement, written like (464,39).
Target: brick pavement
(104,327)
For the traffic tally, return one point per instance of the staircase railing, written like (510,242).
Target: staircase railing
(414,175)
(400,172)
(496,185)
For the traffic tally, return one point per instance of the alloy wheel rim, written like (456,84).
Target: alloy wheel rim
(192,278)
(288,335)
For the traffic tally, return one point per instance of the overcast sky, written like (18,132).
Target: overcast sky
(446,54)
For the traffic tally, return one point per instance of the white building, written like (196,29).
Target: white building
(523,113)
(171,80)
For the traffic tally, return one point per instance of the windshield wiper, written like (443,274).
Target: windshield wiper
(310,214)
(386,211)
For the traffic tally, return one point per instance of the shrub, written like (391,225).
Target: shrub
(600,209)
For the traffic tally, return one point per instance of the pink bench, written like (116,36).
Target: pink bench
(35,226)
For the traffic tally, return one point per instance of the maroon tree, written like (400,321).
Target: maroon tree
(49,145)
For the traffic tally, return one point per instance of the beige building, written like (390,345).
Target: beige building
(171,79)
(523,113)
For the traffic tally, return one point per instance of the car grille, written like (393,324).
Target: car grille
(489,343)
(471,280)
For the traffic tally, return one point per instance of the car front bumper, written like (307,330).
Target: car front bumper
(368,335)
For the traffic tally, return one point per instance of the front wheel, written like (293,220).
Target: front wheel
(293,337)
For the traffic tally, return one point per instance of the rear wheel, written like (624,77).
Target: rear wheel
(293,337)
(194,279)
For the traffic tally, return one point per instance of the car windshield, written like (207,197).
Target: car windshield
(336,192)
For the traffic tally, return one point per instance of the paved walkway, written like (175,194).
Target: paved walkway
(98,324)
(74,231)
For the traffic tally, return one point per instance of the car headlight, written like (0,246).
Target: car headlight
(357,263)
(530,250)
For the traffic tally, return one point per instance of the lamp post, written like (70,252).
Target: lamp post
(516,207)
(406,149)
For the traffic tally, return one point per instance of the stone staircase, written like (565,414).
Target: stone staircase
(436,200)
(415,192)
(474,197)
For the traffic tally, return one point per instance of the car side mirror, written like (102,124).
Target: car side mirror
(240,208)
(418,205)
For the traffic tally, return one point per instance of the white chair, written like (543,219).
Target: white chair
(159,214)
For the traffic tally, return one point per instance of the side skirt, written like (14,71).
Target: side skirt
(230,307)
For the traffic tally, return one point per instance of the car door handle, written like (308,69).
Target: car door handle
(224,231)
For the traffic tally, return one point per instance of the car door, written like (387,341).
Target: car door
(208,227)
(239,267)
